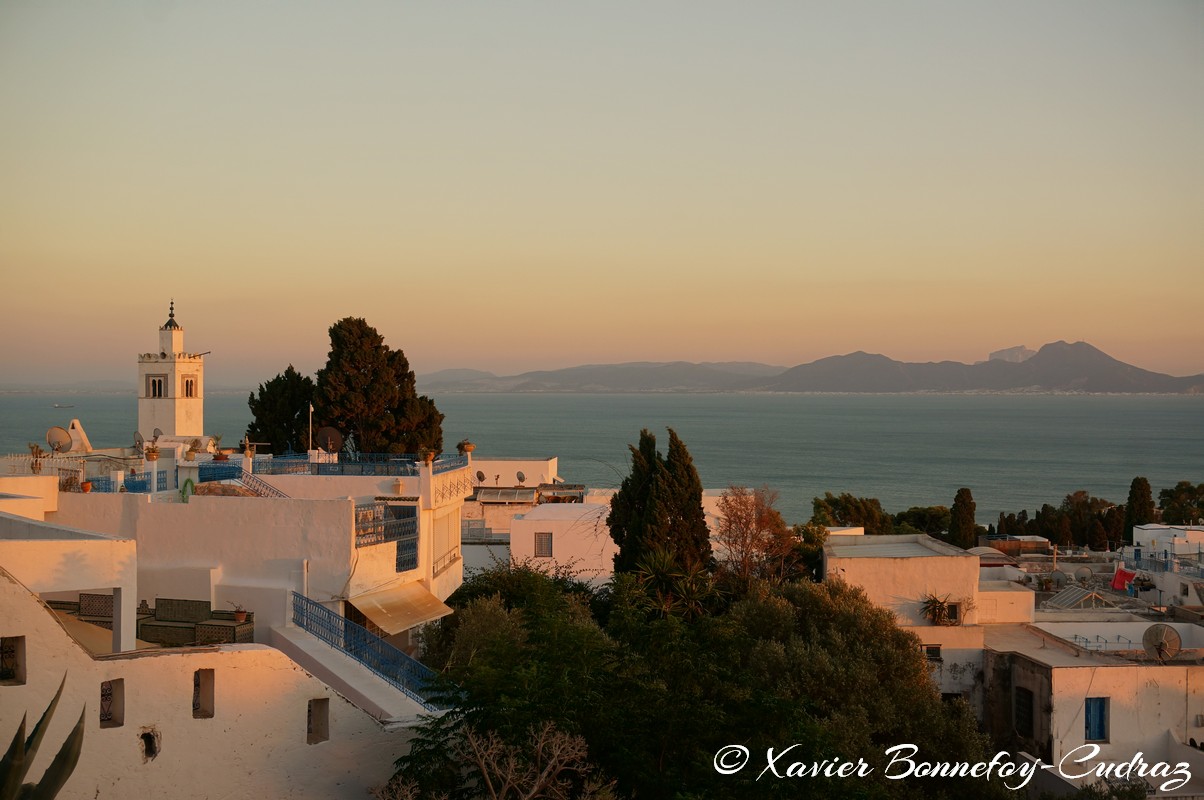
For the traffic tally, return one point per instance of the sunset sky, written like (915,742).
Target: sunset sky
(522,185)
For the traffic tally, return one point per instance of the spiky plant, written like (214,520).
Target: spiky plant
(21,753)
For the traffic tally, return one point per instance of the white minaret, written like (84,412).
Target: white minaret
(171,386)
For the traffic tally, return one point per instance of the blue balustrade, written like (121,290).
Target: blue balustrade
(409,675)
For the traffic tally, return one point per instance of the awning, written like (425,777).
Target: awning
(400,608)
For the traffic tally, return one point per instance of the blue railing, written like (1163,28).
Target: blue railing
(219,471)
(377,523)
(137,483)
(1185,568)
(448,463)
(399,670)
(261,488)
(382,464)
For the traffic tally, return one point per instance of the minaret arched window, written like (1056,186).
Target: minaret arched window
(156,386)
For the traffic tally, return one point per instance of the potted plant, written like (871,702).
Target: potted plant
(240,613)
(427,455)
(37,454)
(193,447)
(85,486)
(151,452)
(464,447)
(218,453)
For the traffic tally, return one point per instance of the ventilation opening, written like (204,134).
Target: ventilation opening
(202,694)
(12,661)
(150,744)
(317,728)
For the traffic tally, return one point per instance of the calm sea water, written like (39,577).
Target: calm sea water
(1013,451)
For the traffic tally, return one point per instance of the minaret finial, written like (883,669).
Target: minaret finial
(171,311)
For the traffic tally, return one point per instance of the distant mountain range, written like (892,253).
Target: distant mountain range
(1056,367)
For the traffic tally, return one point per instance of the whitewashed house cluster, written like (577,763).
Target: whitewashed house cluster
(334,562)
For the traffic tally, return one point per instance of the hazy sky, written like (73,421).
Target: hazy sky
(522,185)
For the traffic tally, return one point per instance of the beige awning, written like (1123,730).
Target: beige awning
(400,608)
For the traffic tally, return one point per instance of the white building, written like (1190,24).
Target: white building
(337,562)
(573,535)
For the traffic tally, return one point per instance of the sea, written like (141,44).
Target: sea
(1013,451)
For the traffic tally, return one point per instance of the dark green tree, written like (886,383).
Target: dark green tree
(368,390)
(1139,510)
(963,530)
(932,520)
(659,508)
(1183,504)
(280,412)
(849,510)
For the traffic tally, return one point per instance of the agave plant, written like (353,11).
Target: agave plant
(21,753)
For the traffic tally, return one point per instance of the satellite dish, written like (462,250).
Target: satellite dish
(1083,574)
(480,477)
(139,442)
(330,440)
(1059,578)
(521,477)
(158,432)
(58,439)
(1161,642)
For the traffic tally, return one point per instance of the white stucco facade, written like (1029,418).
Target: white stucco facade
(171,386)
(570,534)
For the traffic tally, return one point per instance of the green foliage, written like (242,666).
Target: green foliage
(851,511)
(659,506)
(963,530)
(20,755)
(281,412)
(654,696)
(1183,504)
(368,390)
(932,520)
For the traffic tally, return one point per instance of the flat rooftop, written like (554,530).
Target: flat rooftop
(569,511)
(914,546)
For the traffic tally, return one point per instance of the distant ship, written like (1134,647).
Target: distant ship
(63,405)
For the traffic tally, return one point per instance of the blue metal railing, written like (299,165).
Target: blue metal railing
(261,488)
(1183,567)
(399,670)
(448,463)
(219,471)
(382,464)
(377,523)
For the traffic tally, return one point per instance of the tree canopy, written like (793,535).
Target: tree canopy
(658,508)
(653,698)
(1182,504)
(1139,510)
(281,412)
(368,390)
(963,530)
(849,510)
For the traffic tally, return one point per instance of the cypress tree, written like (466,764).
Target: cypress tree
(659,508)
(963,530)
(1139,510)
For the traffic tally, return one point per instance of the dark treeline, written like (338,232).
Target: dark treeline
(1080,519)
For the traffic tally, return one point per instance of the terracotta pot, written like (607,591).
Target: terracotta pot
(85,487)
(221,457)
(240,616)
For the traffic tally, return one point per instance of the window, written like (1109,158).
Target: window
(1022,711)
(317,722)
(112,703)
(543,545)
(190,386)
(931,651)
(1183,589)
(1095,712)
(955,613)
(202,694)
(12,661)
(155,384)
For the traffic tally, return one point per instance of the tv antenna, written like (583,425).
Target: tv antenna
(58,439)
(1161,642)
